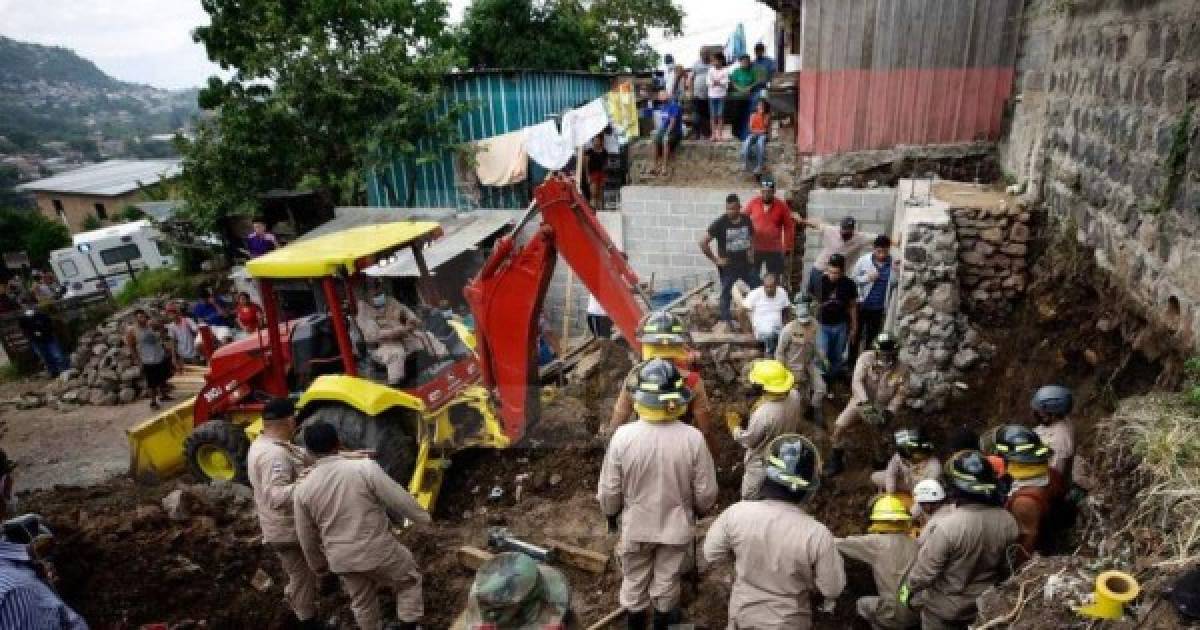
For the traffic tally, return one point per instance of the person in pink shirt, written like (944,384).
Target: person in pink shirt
(774,228)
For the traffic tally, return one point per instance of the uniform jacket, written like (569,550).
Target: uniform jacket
(960,558)
(344,510)
(875,383)
(699,411)
(1059,436)
(658,476)
(889,556)
(273,466)
(770,419)
(797,349)
(782,554)
(900,474)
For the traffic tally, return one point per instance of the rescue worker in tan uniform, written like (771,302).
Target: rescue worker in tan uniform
(781,553)
(1051,407)
(1035,486)
(877,392)
(913,462)
(930,505)
(777,411)
(663,336)
(656,478)
(964,555)
(273,464)
(889,549)
(798,350)
(344,508)
(392,331)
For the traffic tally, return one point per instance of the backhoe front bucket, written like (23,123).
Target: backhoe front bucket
(156,445)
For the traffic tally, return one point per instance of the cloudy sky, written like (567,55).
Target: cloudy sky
(149,41)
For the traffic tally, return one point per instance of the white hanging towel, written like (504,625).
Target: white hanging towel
(579,126)
(501,160)
(547,147)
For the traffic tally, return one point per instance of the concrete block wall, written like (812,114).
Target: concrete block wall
(873,208)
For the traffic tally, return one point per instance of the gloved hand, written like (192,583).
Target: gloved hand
(733,421)
(904,595)
(613,523)
(329,584)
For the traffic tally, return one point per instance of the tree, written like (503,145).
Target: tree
(321,90)
(570,34)
(29,231)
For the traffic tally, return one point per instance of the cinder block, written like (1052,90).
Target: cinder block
(631,207)
(678,208)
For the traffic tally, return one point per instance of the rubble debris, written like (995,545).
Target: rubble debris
(261,581)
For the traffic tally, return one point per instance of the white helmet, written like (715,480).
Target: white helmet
(929,491)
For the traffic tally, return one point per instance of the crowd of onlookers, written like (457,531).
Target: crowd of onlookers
(727,98)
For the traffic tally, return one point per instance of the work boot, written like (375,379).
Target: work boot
(635,620)
(664,620)
(836,463)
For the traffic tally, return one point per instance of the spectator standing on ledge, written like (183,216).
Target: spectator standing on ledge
(668,130)
(774,228)
(764,67)
(183,331)
(742,90)
(873,275)
(734,259)
(148,351)
(767,305)
(260,241)
(756,138)
(39,330)
(595,160)
(698,83)
(718,90)
(836,298)
(836,239)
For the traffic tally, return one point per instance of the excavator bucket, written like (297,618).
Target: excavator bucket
(156,444)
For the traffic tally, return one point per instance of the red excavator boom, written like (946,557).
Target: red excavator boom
(506,297)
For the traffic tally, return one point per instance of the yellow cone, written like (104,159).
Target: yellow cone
(1114,589)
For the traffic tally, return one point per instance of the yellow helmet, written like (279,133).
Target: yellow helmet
(772,375)
(889,514)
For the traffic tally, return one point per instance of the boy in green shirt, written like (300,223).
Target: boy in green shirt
(741,86)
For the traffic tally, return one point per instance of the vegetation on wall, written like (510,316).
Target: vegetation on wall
(1176,163)
(32,233)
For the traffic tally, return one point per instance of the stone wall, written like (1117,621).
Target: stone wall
(937,341)
(992,230)
(1101,132)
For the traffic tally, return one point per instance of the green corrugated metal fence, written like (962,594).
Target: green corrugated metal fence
(502,102)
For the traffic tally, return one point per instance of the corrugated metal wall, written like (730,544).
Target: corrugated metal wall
(504,101)
(877,73)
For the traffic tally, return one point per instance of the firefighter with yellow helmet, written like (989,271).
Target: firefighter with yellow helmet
(663,336)
(777,411)
(888,548)
(656,478)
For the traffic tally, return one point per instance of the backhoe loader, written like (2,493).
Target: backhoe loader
(482,393)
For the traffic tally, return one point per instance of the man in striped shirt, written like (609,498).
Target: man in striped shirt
(25,600)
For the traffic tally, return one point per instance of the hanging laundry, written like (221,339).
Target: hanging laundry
(622,111)
(547,147)
(502,160)
(579,126)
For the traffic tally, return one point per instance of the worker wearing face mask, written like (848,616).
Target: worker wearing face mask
(392,332)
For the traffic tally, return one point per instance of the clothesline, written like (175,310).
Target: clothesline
(503,160)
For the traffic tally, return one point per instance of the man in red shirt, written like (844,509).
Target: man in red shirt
(774,228)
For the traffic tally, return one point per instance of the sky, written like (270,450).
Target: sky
(149,41)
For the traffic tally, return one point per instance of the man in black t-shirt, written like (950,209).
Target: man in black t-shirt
(836,300)
(734,259)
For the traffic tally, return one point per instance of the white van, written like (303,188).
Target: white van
(106,256)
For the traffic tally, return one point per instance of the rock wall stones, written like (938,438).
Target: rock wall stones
(938,342)
(1101,132)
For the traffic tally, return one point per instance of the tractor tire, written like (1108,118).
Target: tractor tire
(387,435)
(217,450)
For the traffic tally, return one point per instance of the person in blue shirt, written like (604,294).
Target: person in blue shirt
(764,67)
(668,129)
(212,309)
(25,600)
(873,275)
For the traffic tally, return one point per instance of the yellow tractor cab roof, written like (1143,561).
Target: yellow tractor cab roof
(341,251)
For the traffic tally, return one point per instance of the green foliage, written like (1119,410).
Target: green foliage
(1191,384)
(570,34)
(92,222)
(9,178)
(131,213)
(163,281)
(29,231)
(1176,165)
(10,372)
(319,89)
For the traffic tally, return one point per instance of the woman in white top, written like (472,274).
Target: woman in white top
(718,87)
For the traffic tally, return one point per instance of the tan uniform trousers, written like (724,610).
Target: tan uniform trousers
(651,573)
(753,477)
(932,622)
(399,574)
(868,609)
(302,585)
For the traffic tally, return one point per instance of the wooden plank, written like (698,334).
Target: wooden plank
(607,620)
(472,557)
(578,557)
